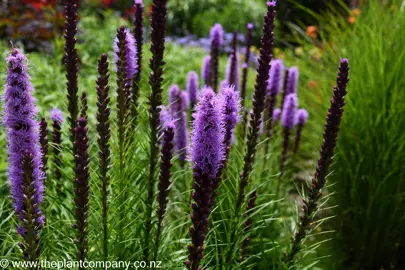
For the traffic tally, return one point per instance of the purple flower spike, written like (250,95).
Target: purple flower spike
(206,155)
(233,72)
(192,88)
(174,91)
(24,154)
(276,115)
(131,66)
(56,115)
(301,117)
(275,77)
(205,70)
(292,81)
(178,111)
(289,111)
(217,34)
(229,102)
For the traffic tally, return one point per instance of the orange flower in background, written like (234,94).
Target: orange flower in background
(312,85)
(312,31)
(351,20)
(355,12)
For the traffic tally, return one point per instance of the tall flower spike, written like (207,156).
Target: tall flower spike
(125,41)
(229,102)
(84,107)
(217,37)
(71,62)
(81,188)
(232,71)
(276,115)
(157,48)
(301,119)
(288,123)
(330,134)
(43,141)
(259,95)
(164,178)
(292,81)
(207,153)
(192,88)
(205,70)
(103,141)
(246,63)
(274,84)
(24,153)
(57,120)
(247,225)
(138,34)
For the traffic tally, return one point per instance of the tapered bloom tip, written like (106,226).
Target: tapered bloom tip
(245,66)
(217,34)
(56,115)
(276,114)
(138,2)
(292,82)
(229,102)
(250,26)
(344,61)
(271,3)
(207,149)
(301,117)
(205,69)
(275,77)
(174,91)
(131,67)
(192,86)
(289,111)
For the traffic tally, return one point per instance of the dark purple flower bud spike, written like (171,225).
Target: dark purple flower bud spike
(44,142)
(24,153)
(330,134)
(164,178)
(301,119)
(71,62)
(247,225)
(217,38)
(245,66)
(84,107)
(81,188)
(103,140)
(156,63)
(258,101)
(138,34)
(57,120)
(207,153)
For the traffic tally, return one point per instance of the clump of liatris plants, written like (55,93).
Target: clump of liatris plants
(207,153)
(57,120)
(245,65)
(205,70)
(103,141)
(217,36)
(25,170)
(164,178)
(288,123)
(81,188)
(138,35)
(71,62)
(301,119)
(330,134)
(259,95)
(157,48)
(192,88)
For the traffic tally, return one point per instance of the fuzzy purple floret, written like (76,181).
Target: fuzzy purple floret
(205,69)
(217,34)
(250,26)
(22,129)
(56,115)
(275,78)
(271,3)
(207,149)
(289,111)
(130,52)
(192,87)
(138,2)
(276,115)
(236,72)
(292,80)
(229,103)
(301,117)
(174,91)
